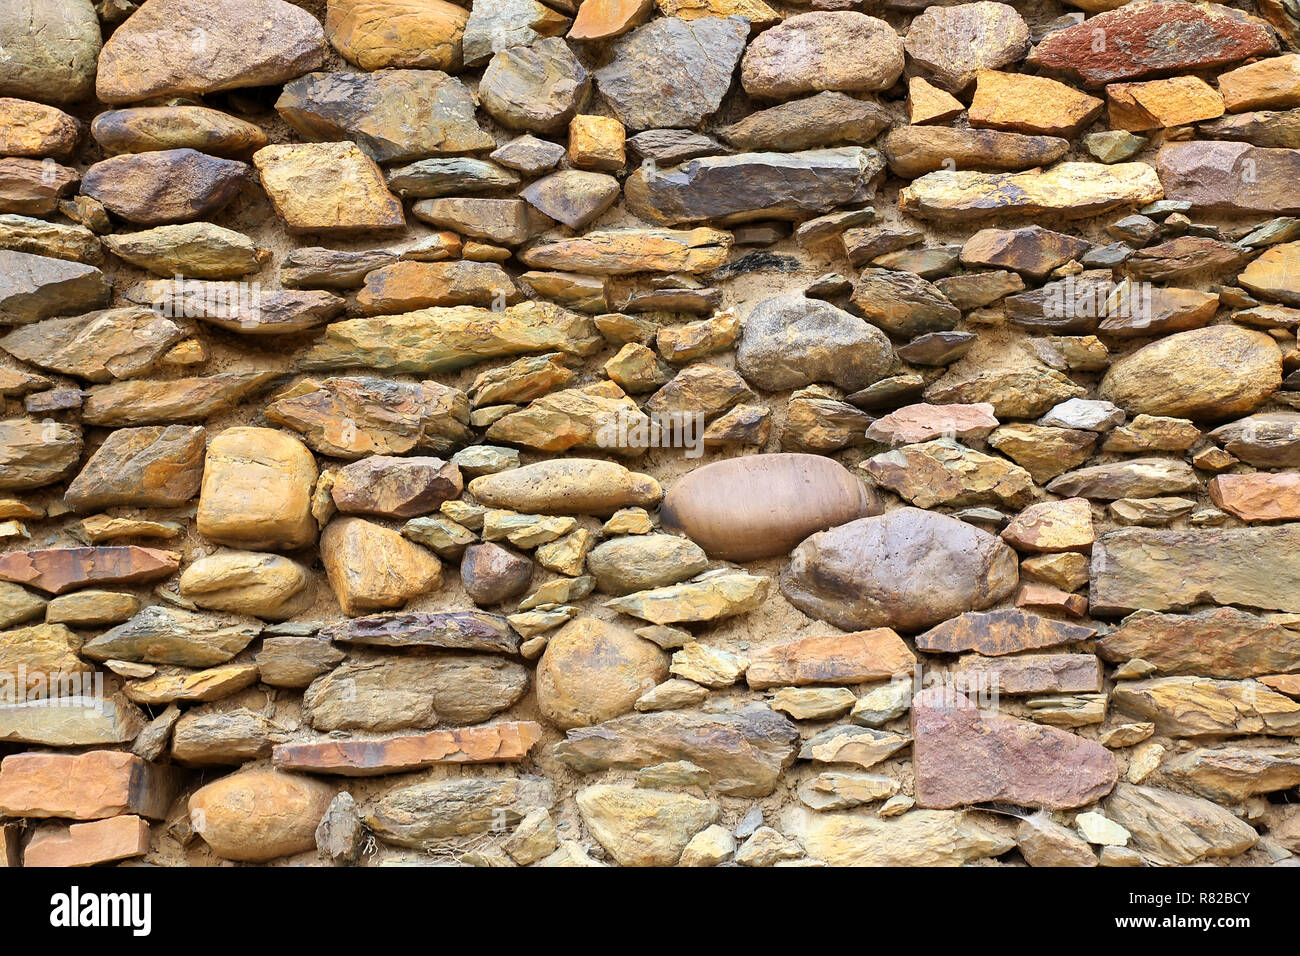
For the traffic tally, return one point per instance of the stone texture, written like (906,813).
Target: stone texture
(371,567)
(838,659)
(1223,642)
(502,742)
(167,186)
(1171,829)
(953,42)
(88,786)
(141,129)
(812,52)
(56,570)
(851,576)
(379,34)
(995,633)
(643,827)
(916,838)
(1203,707)
(915,150)
(256,494)
(537,88)
(327,187)
(259,815)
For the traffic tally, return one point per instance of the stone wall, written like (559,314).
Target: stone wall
(681,433)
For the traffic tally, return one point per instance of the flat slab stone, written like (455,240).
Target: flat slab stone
(835,659)
(440,630)
(100,783)
(1004,631)
(1221,642)
(56,570)
(504,742)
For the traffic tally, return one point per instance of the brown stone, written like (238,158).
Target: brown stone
(32,188)
(51,48)
(180,399)
(1271,83)
(33,454)
(88,786)
(995,633)
(604,19)
(395,487)
(811,52)
(1230,177)
(962,755)
(37,287)
(1258,496)
(907,569)
(384,34)
(954,42)
(88,844)
(206,685)
(327,187)
(35,130)
(1159,104)
(915,150)
(1173,829)
(56,570)
(144,129)
(373,568)
(99,346)
(1022,103)
(945,472)
(927,103)
(1223,642)
(492,574)
(159,466)
(1153,36)
(761,506)
(504,742)
(835,659)
(35,660)
(1052,526)
(1031,250)
(259,815)
(171,185)
(1030,674)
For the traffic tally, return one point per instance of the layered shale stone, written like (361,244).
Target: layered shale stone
(945,472)
(327,187)
(257,487)
(88,786)
(1223,642)
(593,671)
(427,814)
(1167,570)
(623,251)
(643,827)
(908,569)
(259,815)
(537,88)
(1135,478)
(1030,674)
(902,303)
(295,661)
(744,752)
(916,838)
(1151,37)
(393,115)
(56,570)
(962,755)
(1258,496)
(380,34)
(167,186)
(1210,373)
(438,630)
(247,43)
(32,188)
(693,61)
(748,186)
(1159,104)
(1230,177)
(1204,707)
(1234,774)
(40,238)
(201,250)
(142,129)
(220,738)
(915,150)
(836,659)
(1171,829)
(790,341)
(1272,83)
(180,399)
(1265,440)
(99,346)
(84,722)
(1272,274)
(502,742)
(34,454)
(36,287)
(810,52)
(953,42)
(1031,250)
(164,635)
(87,844)
(34,659)
(1022,103)
(1073,190)
(995,633)
(372,568)
(51,50)
(395,487)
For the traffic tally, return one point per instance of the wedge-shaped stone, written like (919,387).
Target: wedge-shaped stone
(393,115)
(917,838)
(445,339)
(33,454)
(327,187)
(826,119)
(213,683)
(915,150)
(908,569)
(1152,37)
(1212,373)
(56,570)
(245,43)
(1234,774)
(372,568)
(37,287)
(962,755)
(166,186)
(623,251)
(98,346)
(88,786)
(53,240)
(1222,642)
(1073,190)
(1135,478)
(197,249)
(1203,707)
(1174,829)
(178,399)
(164,635)
(835,659)
(1005,631)
(385,417)
(748,186)
(1023,103)
(902,303)
(504,742)
(642,827)
(1159,104)
(744,752)
(692,61)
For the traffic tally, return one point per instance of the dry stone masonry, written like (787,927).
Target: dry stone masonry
(616,432)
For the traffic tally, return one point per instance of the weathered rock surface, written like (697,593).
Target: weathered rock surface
(790,341)
(1007,631)
(953,42)
(167,186)
(1204,707)
(1171,829)
(327,187)
(502,742)
(811,52)
(916,838)
(259,815)
(838,659)
(56,570)
(372,568)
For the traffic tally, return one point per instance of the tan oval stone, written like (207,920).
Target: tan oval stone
(763,505)
(260,815)
(257,488)
(378,34)
(594,670)
(244,582)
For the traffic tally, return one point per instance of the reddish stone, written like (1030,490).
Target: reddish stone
(1144,39)
(101,783)
(833,659)
(1005,631)
(1031,674)
(1259,496)
(8,845)
(85,844)
(1049,598)
(61,569)
(961,755)
(505,742)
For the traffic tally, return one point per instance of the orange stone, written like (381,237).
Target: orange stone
(1259,496)
(831,659)
(85,844)
(926,103)
(61,569)
(602,19)
(1288,684)
(35,130)
(1052,526)
(505,742)
(101,783)
(597,142)
(1030,104)
(1270,84)
(1160,104)
(1047,598)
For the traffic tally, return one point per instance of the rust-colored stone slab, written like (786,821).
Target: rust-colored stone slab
(834,659)
(1259,496)
(1032,673)
(962,755)
(505,742)
(86,844)
(1005,631)
(61,569)
(100,783)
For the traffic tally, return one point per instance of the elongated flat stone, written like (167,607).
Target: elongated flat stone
(1230,177)
(505,742)
(962,755)
(89,786)
(623,251)
(56,570)
(78,721)
(915,150)
(1005,631)
(1173,570)
(1204,707)
(1074,190)
(916,838)
(179,399)
(835,659)
(440,630)
(164,635)
(1030,674)
(1222,642)
(36,287)
(1173,829)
